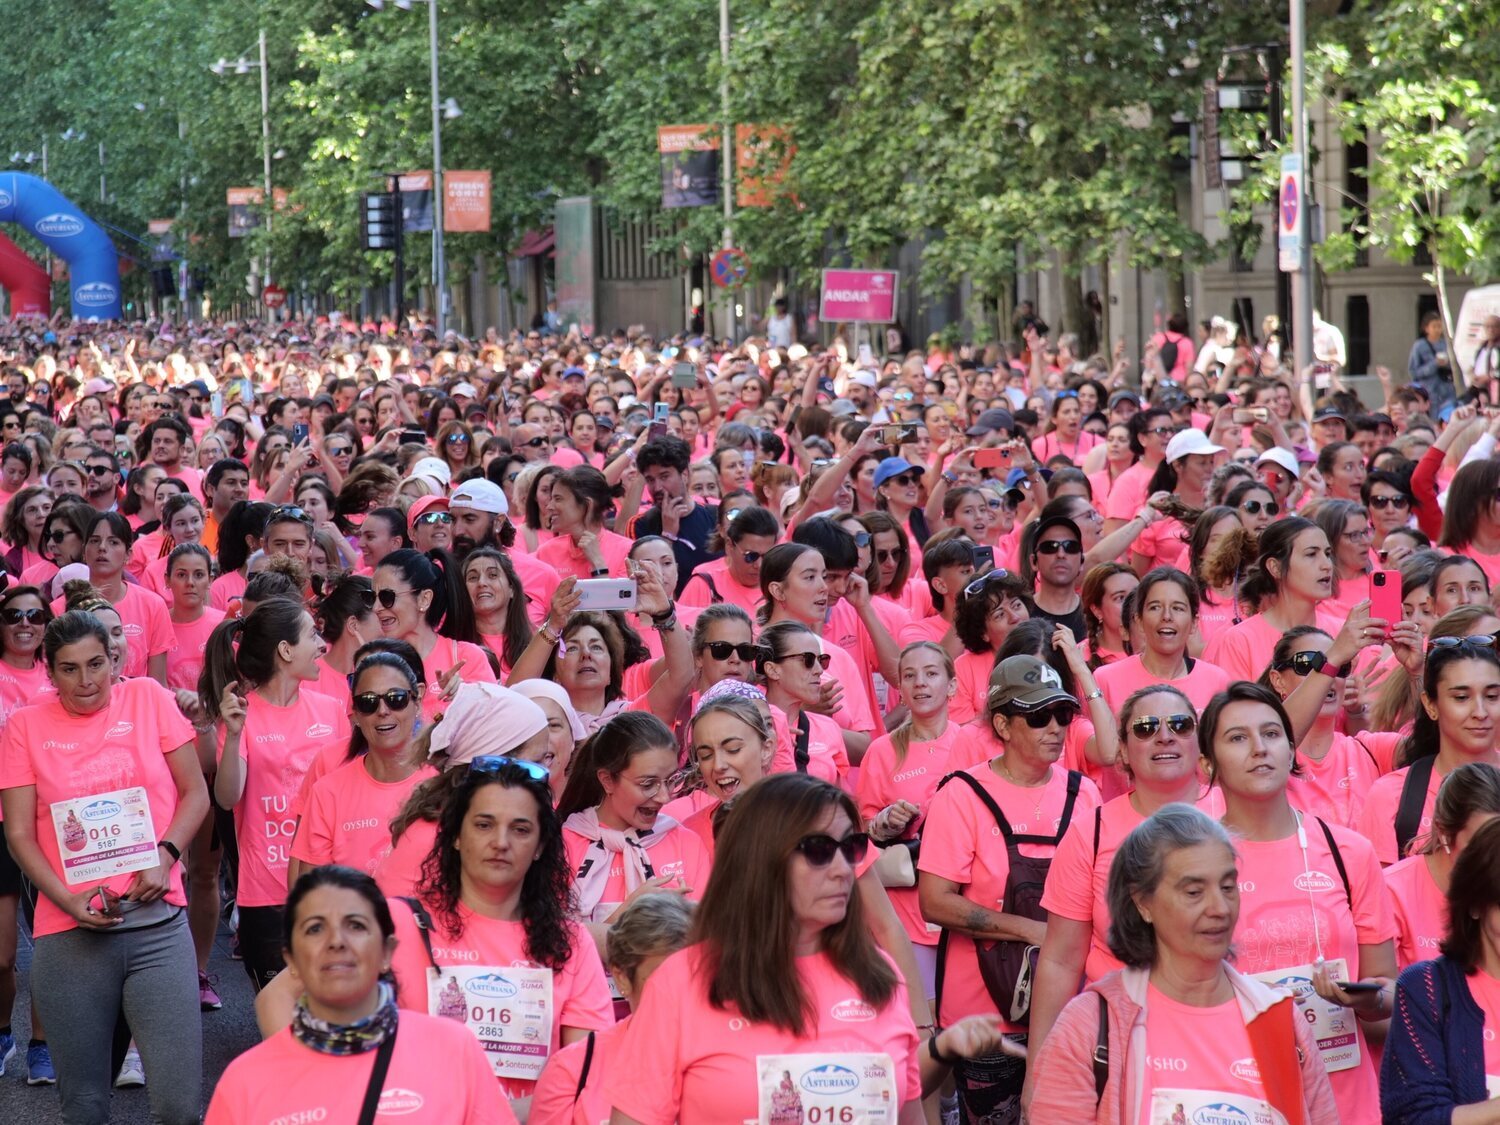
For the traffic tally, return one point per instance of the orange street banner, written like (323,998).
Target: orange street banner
(466,202)
(762,155)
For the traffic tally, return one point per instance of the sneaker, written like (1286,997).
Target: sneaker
(234,947)
(7,1051)
(39,1070)
(131,1071)
(208,996)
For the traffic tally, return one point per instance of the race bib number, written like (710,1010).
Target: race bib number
(105,835)
(509,1011)
(1333,1026)
(837,1089)
(1210,1107)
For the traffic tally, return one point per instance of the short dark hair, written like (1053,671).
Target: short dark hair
(974,610)
(219,468)
(669,452)
(830,540)
(950,552)
(1240,691)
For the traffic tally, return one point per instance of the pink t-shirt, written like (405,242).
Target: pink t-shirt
(827,757)
(1129,492)
(845,629)
(538,582)
(962,844)
(18,687)
(882,782)
(445,654)
(1163,543)
(227,588)
(147,626)
(1277,898)
(1377,820)
(39,574)
(557,1099)
(1050,445)
(347,816)
(68,757)
(278,744)
(1421,910)
(1336,786)
(697,593)
(1351,591)
(580,993)
(971,675)
(189,642)
(932,629)
(563,555)
(677,852)
(1490,564)
(1244,650)
(1199,1049)
(977,743)
(399,873)
(332,683)
(1078,880)
(1118,680)
(682,1059)
(437,1073)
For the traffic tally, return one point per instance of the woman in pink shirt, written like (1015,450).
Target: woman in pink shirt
(792,661)
(1184,475)
(1347,525)
(24,616)
(991,606)
(346,621)
(583,546)
(340,940)
(1468,799)
(253,685)
(62,543)
(25,518)
(1313,907)
(736,577)
(116,758)
(148,628)
(1105,588)
(239,538)
(499,605)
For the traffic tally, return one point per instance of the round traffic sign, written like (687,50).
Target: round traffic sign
(729,267)
(1289,202)
(274,296)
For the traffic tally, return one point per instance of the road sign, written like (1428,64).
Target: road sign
(274,296)
(858,296)
(729,267)
(1291,222)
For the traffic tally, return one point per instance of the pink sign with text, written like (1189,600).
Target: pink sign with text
(859,295)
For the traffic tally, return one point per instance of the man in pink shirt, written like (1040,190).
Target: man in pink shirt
(947,566)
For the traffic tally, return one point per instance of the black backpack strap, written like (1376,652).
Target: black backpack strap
(1075,783)
(1098,826)
(424,927)
(1338,861)
(371,1105)
(713,591)
(1101,1051)
(583,1075)
(800,753)
(1413,798)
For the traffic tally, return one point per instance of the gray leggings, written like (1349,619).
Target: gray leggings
(82,980)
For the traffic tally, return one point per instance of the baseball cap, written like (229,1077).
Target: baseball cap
(480,495)
(991,420)
(321,400)
(843,408)
(1026,683)
(570,372)
(864,379)
(424,505)
(1188,442)
(432,470)
(1326,413)
(1282,458)
(461,390)
(1055,521)
(891,467)
(1124,396)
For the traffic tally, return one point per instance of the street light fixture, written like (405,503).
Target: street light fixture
(243,65)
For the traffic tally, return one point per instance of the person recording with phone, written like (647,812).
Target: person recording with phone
(674,515)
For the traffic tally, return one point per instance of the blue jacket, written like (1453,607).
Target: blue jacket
(1434,1055)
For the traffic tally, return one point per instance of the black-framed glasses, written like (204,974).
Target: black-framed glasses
(819,850)
(1476,642)
(862,539)
(1053,546)
(338,450)
(494,763)
(430,519)
(1060,713)
(538,442)
(58,534)
(1146,726)
(752,557)
(100,471)
(387,597)
(368,702)
(289,512)
(1255,507)
(889,554)
(1380,503)
(13,616)
(977,586)
(721,650)
(808,659)
(1303,663)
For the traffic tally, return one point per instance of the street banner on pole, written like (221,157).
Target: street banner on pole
(573,222)
(762,155)
(690,173)
(466,201)
(858,296)
(416,201)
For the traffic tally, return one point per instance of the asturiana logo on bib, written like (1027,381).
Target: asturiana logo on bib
(1314,881)
(319,730)
(119,730)
(1221,1113)
(397,1102)
(96,294)
(853,1011)
(830,1079)
(101,810)
(59,225)
(492,986)
(1246,1070)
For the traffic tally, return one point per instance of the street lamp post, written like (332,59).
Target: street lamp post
(243,65)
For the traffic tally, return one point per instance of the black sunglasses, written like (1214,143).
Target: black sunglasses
(16,616)
(720,650)
(1254,507)
(289,512)
(1477,642)
(387,597)
(538,442)
(494,763)
(1382,502)
(457,439)
(338,450)
(808,659)
(1302,663)
(906,480)
(978,585)
(1053,546)
(1060,713)
(1147,725)
(58,534)
(368,702)
(431,518)
(889,554)
(100,471)
(819,850)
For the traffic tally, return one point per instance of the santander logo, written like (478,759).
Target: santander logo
(853,1011)
(398,1102)
(1314,881)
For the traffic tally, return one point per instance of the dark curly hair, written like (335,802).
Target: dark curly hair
(547,888)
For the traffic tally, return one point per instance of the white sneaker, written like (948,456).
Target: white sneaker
(131,1072)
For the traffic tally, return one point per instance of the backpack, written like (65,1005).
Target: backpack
(1168,353)
(1413,797)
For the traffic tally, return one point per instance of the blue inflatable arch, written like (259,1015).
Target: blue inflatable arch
(93,265)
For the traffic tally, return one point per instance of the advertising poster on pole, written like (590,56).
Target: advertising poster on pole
(762,156)
(690,173)
(466,202)
(573,222)
(858,296)
(416,201)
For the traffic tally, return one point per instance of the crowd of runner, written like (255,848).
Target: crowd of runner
(648,730)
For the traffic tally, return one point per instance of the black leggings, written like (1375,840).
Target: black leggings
(261,942)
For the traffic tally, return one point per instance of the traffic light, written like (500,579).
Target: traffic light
(379,216)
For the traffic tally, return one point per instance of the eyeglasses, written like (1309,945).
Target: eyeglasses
(819,850)
(648,786)
(889,554)
(1363,535)
(100,471)
(494,763)
(1053,546)
(458,439)
(289,512)
(430,519)
(1478,642)
(1380,503)
(16,616)
(1060,713)
(808,659)
(338,450)
(862,539)
(977,586)
(1064,394)
(1146,726)
(1254,507)
(58,534)
(538,442)
(387,597)
(1162,431)
(720,650)
(1302,663)
(368,702)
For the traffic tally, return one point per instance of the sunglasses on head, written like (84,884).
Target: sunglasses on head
(16,616)
(289,512)
(431,518)
(494,763)
(1254,507)
(1380,503)
(1146,726)
(1053,546)
(1302,664)
(808,659)
(1060,713)
(1476,643)
(819,850)
(862,539)
(720,650)
(368,702)
(977,586)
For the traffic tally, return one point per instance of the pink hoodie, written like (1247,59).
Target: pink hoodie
(1064,1080)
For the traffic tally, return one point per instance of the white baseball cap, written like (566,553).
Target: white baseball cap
(433,470)
(864,379)
(480,495)
(1188,442)
(1282,459)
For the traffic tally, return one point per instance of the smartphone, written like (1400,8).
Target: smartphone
(684,375)
(606,593)
(984,560)
(247,392)
(896,435)
(993,458)
(866,356)
(1249,415)
(1385,595)
(1355,987)
(412,436)
(299,433)
(658,427)
(216,404)
(1321,375)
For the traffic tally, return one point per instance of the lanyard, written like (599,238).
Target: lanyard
(1307,883)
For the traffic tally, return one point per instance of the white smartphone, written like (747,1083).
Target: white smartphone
(606,593)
